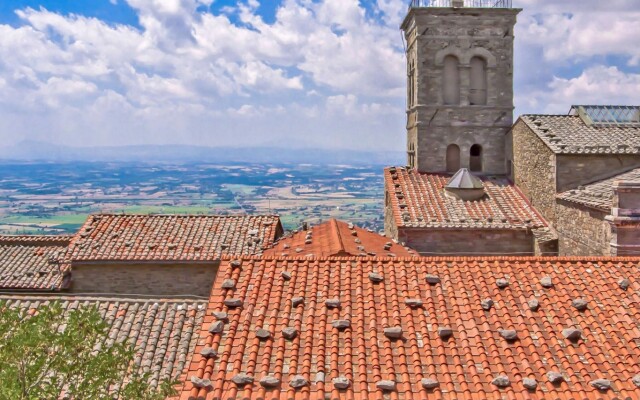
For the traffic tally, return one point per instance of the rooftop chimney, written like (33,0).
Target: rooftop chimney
(465,186)
(625,218)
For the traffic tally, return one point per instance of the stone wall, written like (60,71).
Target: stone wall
(467,241)
(390,227)
(145,278)
(545,242)
(576,170)
(534,170)
(434,33)
(582,230)
(436,134)
(625,218)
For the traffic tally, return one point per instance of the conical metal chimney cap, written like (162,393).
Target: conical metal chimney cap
(464,179)
(465,186)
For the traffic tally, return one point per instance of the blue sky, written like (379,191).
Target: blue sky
(296,73)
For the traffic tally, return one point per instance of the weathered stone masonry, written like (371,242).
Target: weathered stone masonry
(542,175)
(582,230)
(434,122)
(150,278)
(534,170)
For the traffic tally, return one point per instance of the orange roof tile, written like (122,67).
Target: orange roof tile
(418,200)
(33,263)
(336,238)
(446,334)
(109,237)
(35,239)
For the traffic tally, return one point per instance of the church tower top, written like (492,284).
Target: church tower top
(462,3)
(459,84)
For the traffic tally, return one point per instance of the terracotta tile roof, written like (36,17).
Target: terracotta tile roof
(337,238)
(598,195)
(109,237)
(447,336)
(164,332)
(35,239)
(418,200)
(33,263)
(568,134)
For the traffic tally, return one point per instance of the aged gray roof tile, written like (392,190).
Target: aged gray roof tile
(598,195)
(34,263)
(568,134)
(164,333)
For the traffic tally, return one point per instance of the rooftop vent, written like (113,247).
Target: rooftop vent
(465,186)
(608,116)
(461,3)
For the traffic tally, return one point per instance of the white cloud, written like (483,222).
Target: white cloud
(583,32)
(596,85)
(186,74)
(565,51)
(324,72)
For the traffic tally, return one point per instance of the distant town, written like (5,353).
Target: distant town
(55,198)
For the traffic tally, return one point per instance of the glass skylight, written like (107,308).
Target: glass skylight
(622,116)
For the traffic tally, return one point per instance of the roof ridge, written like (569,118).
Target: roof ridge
(426,259)
(32,237)
(547,115)
(72,297)
(336,231)
(185,215)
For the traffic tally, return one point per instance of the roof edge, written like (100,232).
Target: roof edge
(577,259)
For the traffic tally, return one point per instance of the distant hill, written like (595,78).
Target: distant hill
(42,151)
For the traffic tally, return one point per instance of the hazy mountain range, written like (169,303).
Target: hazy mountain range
(42,151)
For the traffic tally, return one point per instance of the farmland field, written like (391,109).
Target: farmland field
(58,197)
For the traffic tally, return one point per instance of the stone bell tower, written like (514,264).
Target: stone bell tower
(459,84)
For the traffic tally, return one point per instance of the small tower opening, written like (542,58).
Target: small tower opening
(411,84)
(451,81)
(475,159)
(478,84)
(453,158)
(411,153)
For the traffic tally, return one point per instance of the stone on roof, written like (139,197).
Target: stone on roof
(418,200)
(530,384)
(569,134)
(196,238)
(269,381)
(34,263)
(371,309)
(163,332)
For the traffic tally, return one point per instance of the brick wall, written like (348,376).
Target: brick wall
(468,241)
(534,170)
(146,279)
(582,230)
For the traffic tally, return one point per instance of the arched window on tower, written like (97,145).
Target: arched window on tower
(411,86)
(453,158)
(412,155)
(478,84)
(451,81)
(475,159)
